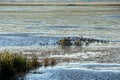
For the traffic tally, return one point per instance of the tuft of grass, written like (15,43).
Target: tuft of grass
(35,62)
(53,61)
(49,62)
(11,63)
(19,63)
(65,42)
(6,65)
(32,63)
(46,62)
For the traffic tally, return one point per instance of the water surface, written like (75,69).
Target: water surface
(24,25)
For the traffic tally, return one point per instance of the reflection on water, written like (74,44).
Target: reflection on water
(76,71)
(27,23)
(44,25)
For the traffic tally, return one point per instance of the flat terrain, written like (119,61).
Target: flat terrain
(23,28)
(59,3)
(29,26)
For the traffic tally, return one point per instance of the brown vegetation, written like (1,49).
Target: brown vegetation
(10,64)
(49,62)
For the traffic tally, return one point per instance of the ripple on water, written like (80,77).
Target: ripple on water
(77,71)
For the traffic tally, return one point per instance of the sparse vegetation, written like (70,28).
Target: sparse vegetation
(65,42)
(49,62)
(79,41)
(10,64)
(46,62)
(35,62)
(53,61)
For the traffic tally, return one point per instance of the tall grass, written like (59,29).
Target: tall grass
(19,63)
(35,62)
(10,64)
(6,65)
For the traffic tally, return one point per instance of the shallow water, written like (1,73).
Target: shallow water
(25,25)
(76,71)
(28,26)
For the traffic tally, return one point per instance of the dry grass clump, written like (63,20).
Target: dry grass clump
(10,64)
(49,62)
(46,62)
(35,62)
(53,61)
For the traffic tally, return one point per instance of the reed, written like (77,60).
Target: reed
(11,63)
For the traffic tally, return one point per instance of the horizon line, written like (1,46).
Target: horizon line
(59,3)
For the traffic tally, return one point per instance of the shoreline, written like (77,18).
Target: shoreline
(61,3)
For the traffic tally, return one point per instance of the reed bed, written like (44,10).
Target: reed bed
(12,64)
